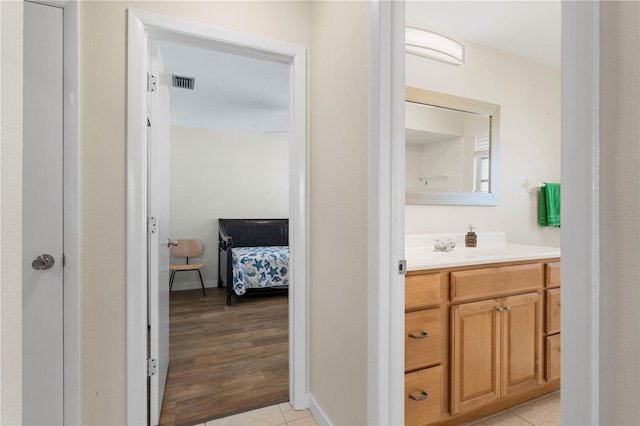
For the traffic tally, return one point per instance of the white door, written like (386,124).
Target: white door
(42,288)
(158,213)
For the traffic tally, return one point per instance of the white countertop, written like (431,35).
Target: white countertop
(491,248)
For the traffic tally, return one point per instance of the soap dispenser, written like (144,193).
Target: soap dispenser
(470,239)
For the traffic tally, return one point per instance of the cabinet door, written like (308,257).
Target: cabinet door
(521,342)
(475,339)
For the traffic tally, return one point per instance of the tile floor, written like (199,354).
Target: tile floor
(274,415)
(544,411)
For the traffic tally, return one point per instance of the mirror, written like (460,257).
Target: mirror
(451,149)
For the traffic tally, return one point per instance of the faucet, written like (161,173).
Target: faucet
(447,246)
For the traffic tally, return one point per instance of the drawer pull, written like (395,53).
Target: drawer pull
(422,335)
(419,398)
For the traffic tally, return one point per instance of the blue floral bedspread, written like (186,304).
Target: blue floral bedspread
(255,267)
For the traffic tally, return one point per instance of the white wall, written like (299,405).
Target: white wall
(619,343)
(223,174)
(11,18)
(529,96)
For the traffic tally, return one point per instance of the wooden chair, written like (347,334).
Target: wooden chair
(187,249)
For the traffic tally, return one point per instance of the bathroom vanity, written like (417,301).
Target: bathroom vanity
(482,328)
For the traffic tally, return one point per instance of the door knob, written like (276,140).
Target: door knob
(42,262)
(171,242)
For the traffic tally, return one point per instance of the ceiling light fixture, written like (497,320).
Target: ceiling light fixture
(433,46)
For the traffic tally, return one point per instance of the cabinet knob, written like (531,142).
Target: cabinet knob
(500,310)
(508,308)
(422,335)
(419,398)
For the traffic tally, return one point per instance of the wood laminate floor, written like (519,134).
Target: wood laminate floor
(224,359)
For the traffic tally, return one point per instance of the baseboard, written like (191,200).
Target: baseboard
(193,285)
(318,413)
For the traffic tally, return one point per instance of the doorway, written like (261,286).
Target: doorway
(143,25)
(228,157)
(580,108)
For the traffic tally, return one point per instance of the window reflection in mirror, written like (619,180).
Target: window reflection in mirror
(451,149)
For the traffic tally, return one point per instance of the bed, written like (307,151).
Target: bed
(253,256)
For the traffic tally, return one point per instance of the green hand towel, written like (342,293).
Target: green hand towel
(550,205)
(543,207)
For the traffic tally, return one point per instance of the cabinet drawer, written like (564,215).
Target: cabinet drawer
(421,291)
(422,339)
(490,282)
(553,358)
(425,386)
(553,311)
(552,274)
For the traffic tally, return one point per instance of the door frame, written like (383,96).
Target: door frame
(141,25)
(72,216)
(581,212)
(72,350)
(580,230)
(385,371)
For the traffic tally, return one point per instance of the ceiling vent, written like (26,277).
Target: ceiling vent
(183,82)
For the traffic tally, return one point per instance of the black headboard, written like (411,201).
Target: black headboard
(253,232)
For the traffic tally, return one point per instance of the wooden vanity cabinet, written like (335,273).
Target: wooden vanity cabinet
(491,344)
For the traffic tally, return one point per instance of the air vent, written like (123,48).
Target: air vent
(183,82)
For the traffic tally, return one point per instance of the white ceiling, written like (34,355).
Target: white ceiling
(243,94)
(231,92)
(530,29)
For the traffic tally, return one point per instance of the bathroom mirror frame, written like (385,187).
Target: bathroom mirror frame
(458,103)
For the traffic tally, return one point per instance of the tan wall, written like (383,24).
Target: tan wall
(619,213)
(10,212)
(339,209)
(103,173)
(338,92)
